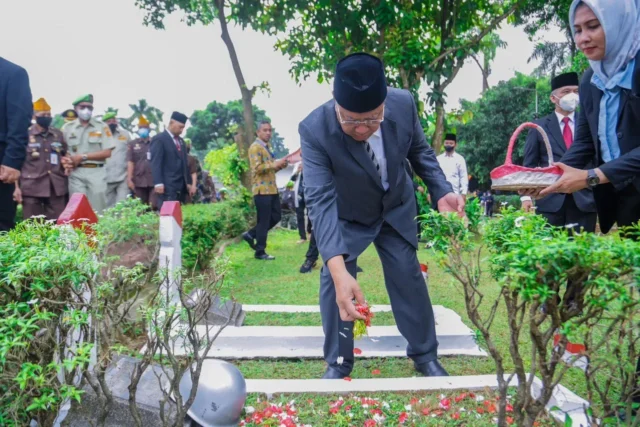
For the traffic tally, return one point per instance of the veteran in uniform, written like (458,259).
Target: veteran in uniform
(90,144)
(139,178)
(69,115)
(42,188)
(116,165)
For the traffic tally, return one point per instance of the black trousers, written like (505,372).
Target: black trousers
(7,207)
(569,214)
(312,252)
(302,230)
(269,214)
(172,195)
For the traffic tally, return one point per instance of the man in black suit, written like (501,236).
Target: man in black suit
(169,165)
(16,110)
(560,210)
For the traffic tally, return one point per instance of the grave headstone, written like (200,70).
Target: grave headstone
(220,312)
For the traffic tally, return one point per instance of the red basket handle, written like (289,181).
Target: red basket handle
(514,137)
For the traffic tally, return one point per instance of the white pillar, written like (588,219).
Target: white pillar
(170,249)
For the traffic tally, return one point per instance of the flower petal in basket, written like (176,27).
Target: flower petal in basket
(510,177)
(513,177)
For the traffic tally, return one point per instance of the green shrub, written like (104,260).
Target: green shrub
(473,210)
(505,200)
(43,269)
(206,225)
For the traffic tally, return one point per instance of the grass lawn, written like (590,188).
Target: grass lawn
(279,282)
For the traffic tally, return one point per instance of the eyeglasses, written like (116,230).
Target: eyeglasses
(368,122)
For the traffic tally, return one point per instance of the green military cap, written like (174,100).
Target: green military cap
(84,98)
(109,115)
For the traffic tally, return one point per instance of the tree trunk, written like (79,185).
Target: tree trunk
(247,94)
(438,136)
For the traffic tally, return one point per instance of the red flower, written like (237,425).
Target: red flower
(461,397)
(414,400)
(370,423)
(403,417)
(376,412)
(480,411)
(472,395)
(375,372)
(491,408)
(334,410)
(509,407)
(347,378)
(509,420)
(456,416)
(288,422)
(268,413)
(445,404)
(357,351)
(425,411)
(347,408)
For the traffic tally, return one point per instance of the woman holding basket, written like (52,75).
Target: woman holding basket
(608,33)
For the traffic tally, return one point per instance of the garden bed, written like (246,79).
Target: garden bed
(433,408)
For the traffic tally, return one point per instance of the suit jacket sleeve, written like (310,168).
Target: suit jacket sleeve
(624,169)
(532,149)
(582,151)
(157,158)
(19,113)
(424,162)
(320,196)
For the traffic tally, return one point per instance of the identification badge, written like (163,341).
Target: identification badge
(136,147)
(148,155)
(122,138)
(54,158)
(34,145)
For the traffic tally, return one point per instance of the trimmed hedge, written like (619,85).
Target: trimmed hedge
(206,225)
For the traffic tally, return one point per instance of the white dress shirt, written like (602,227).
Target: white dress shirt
(572,123)
(455,170)
(377,145)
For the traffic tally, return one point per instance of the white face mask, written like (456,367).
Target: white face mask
(85,114)
(569,102)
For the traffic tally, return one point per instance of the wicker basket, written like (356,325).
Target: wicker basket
(510,177)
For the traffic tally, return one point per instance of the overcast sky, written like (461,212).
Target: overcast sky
(73,47)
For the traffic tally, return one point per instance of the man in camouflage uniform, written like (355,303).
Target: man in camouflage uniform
(42,188)
(288,206)
(116,165)
(90,144)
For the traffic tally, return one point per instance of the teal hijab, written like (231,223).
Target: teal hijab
(620,20)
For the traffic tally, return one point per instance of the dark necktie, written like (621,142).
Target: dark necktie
(372,156)
(177,141)
(566,133)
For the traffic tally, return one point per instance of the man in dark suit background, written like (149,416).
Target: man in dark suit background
(16,110)
(358,192)
(560,210)
(169,163)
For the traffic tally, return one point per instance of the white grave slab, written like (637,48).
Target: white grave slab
(306,342)
(301,308)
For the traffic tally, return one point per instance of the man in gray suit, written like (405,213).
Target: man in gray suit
(357,192)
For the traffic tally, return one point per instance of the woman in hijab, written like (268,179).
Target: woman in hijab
(608,128)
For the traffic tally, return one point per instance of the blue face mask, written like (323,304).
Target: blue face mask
(144,133)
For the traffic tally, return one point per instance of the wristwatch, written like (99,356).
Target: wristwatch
(84,158)
(592,178)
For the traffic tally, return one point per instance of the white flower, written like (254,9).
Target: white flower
(479,398)
(407,407)
(504,203)
(340,360)
(250,409)
(519,221)
(442,396)
(379,419)
(385,405)
(571,225)
(33,301)
(430,245)
(350,414)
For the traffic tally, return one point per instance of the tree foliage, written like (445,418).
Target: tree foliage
(495,116)
(419,41)
(217,126)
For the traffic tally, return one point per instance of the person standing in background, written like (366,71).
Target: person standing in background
(304,226)
(15,118)
(265,191)
(43,185)
(288,207)
(454,166)
(560,210)
(169,163)
(116,165)
(90,144)
(196,174)
(139,178)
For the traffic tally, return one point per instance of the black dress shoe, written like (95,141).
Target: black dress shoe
(265,257)
(431,369)
(250,240)
(307,266)
(332,374)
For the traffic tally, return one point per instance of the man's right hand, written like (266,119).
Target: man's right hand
(347,289)
(130,184)
(9,175)
(159,189)
(527,206)
(17,195)
(281,164)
